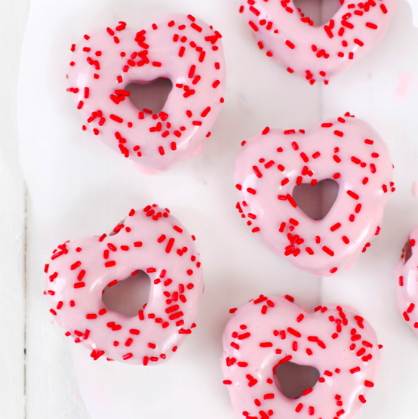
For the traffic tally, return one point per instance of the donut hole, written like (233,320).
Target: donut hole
(407,251)
(319,11)
(316,201)
(151,95)
(293,379)
(129,295)
(117,229)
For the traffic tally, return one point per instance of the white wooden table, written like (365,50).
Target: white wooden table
(37,376)
(13,199)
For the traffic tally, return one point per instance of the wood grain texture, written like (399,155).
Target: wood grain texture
(13,17)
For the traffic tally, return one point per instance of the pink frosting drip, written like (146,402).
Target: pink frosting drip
(273,162)
(152,241)
(406,274)
(178,47)
(269,331)
(317,53)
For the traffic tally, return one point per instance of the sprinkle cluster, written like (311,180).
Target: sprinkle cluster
(316,53)
(270,331)
(272,163)
(151,241)
(179,47)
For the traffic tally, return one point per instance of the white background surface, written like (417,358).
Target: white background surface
(80,188)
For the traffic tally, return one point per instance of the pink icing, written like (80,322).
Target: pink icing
(273,162)
(406,274)
(414,189)
(151,240)
(269,331)
(317,53)
(143,169)
(178,47)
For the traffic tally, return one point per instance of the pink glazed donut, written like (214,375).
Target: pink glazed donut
(317,53)
(152,241)
(178,47)
(271,331)
(406,273)
(346,150)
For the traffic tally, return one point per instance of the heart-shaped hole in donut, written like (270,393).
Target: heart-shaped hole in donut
(127,296)
(319,11)
(117,229)
(150,96)
(316,201)
(406,251)
(293,379)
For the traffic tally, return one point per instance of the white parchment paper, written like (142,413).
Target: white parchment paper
(414,7)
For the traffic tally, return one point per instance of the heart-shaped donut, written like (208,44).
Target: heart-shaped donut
(177,47)
(152,241)
(270,331)
(346,150)
(406,273)
(317,53)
